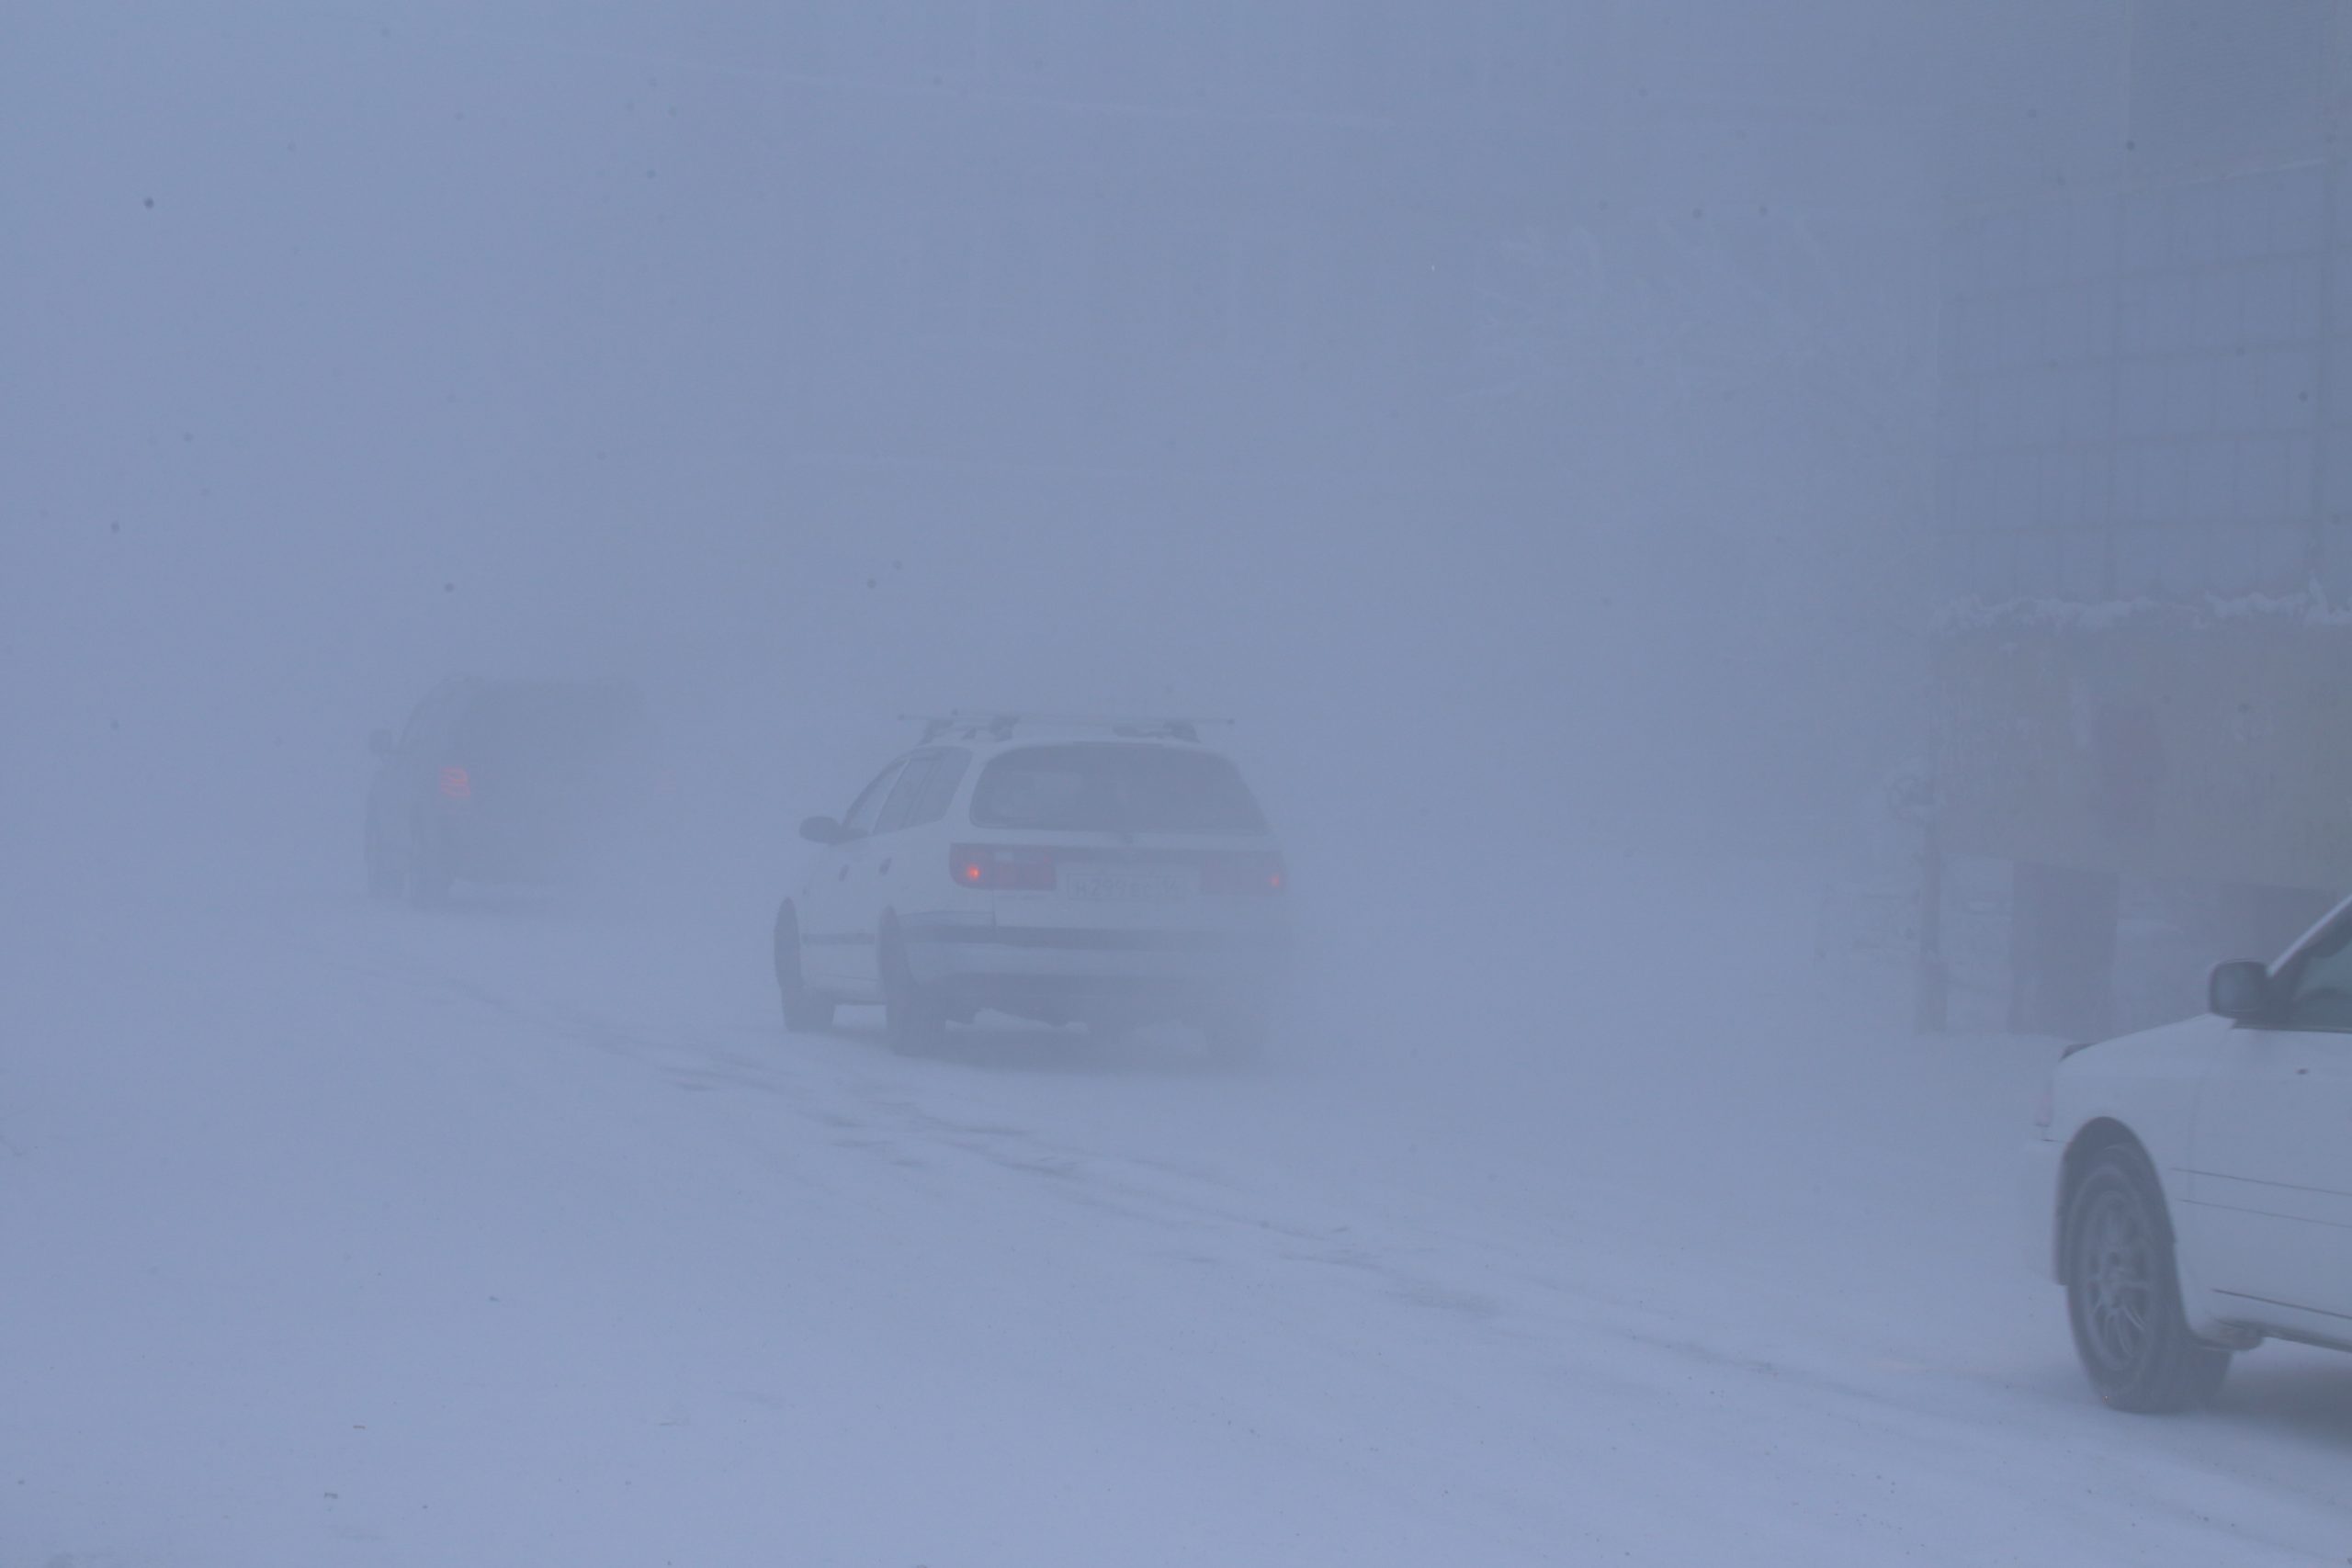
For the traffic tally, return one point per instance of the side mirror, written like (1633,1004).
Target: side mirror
(822,831)
(2241,992)
(383,743)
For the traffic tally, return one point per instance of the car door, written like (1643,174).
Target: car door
(910,874)
(837,911)
(2271,1154)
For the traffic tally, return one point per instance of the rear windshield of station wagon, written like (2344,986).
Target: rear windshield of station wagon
(1107,787)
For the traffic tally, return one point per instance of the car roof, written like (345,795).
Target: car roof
(986,745)
(1005,731)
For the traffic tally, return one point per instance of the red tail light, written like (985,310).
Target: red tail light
(456,782)
(1000,870)
(1249,871)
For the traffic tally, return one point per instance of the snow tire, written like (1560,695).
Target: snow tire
(2123,1292)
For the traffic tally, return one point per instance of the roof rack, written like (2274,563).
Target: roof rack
(1002,725)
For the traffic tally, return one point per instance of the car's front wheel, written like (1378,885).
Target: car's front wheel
(2123,1292)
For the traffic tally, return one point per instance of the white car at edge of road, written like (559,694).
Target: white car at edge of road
(1101,871)
(2191,1185)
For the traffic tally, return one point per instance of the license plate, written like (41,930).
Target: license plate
(1117,886)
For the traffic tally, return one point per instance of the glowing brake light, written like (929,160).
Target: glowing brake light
(456,782)
(1001,870)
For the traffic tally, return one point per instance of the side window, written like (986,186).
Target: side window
(860,819)
(914,781)
(2319,982)
(940,788)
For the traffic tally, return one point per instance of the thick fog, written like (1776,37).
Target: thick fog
(1518,420)
(353,349)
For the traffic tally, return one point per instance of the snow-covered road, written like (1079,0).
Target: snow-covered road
(331,1234)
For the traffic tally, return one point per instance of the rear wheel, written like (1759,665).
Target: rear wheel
(804,1012)
(2123,1292)
(912,1016)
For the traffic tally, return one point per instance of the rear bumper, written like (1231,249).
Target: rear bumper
(1054,970)
(481,847)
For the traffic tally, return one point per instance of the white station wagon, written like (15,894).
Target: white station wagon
(1103,871)
(2191,1186)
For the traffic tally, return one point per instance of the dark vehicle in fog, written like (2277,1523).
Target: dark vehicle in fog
(505,781)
